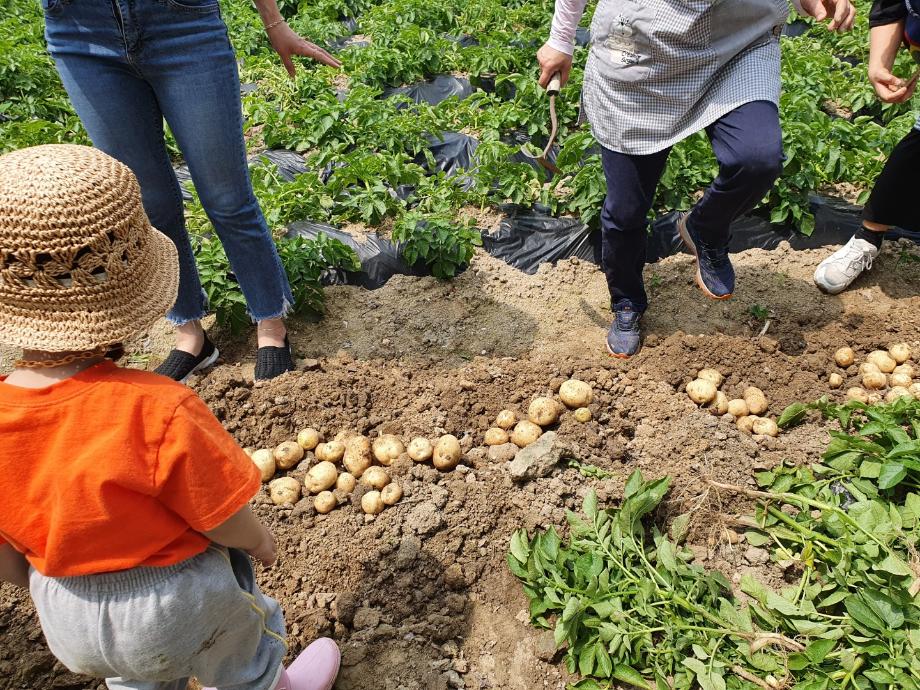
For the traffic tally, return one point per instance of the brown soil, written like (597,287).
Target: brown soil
(420,596)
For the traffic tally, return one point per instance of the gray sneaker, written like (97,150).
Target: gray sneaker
(841,268)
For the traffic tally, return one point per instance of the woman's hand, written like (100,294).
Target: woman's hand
(891,89)
(552,61)
(287,43)
(841,13)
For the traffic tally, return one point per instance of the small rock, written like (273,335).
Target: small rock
(353,654)
(454,577)
(503,453)
(538,459)
(424,519)
(366,618)
(757,556)
(545,647)
(310,364)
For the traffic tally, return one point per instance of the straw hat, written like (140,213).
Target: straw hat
(80,265)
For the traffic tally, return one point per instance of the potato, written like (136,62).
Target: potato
(756,400)
(284,490)
(874,398)
(874,381)
(506,419)
(835,380)
(844,357)
(719,406)
(914,389)
(387,448)
(701,392)
(308,439)
(357,456)
(714,376)
(583,415)
(420,449)
(496,437)
(738,408)
(897,393)
(765,427)
(288,454)
(346,482)
(391,494)
(575,394)
(543,411)
(330,452)
(249,451)
(900,353)
(857,393)
(869,368)
(264,459)
(324,502)
(899,380)
(906,369)
(525,433)
(447,453)
(746,423)
(372,503)
(882,360)
(321,477)
(375,477)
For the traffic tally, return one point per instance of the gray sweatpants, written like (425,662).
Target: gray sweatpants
(153,628)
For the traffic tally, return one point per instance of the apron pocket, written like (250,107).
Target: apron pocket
(621,40)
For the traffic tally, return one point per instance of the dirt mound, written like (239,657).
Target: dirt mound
(420,597)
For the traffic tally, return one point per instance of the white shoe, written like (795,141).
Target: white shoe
(841,268)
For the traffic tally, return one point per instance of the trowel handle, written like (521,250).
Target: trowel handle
(555,84)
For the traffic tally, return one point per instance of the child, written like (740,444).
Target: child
(889,205)
(125,503)
(659,71)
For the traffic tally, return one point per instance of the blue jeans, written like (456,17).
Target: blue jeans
(747,143)
(127,65)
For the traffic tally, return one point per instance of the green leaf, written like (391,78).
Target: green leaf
(883,607)
(861,613)
(680,527)
(819,649)
(586,659)
(793,415)
(894,565)
(604,664)
(589,506)
(627,674)
(757,538)
(667,556)
(633,484)
(891,475)
(520,548)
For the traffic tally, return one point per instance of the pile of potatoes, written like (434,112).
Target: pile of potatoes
(541,413)
(746,410)
(354,452)
(357,456)
(885,374)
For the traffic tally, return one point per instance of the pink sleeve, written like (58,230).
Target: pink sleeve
(565,21)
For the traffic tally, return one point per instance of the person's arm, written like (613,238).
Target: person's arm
(884,43)
(285,41)
(840,14)
(244,531)
(13,567)
(556,53)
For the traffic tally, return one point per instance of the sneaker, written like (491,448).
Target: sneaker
(315,668)
(623,336)
(840,269)
(273,361)
(714,272)
(179,365)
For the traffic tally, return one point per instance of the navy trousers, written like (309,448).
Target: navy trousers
(747,143)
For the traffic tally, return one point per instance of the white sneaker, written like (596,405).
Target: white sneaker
(841,268)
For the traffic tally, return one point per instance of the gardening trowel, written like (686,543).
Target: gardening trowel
(552,89)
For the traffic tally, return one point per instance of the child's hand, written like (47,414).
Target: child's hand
(267,551)
(891,89)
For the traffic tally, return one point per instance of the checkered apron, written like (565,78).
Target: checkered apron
(661,70)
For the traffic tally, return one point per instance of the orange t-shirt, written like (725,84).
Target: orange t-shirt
(113,469)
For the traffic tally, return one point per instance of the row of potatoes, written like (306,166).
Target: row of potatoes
(541,413)
(882,369)
(746,411)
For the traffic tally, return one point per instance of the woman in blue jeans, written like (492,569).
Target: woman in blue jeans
(129,64)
